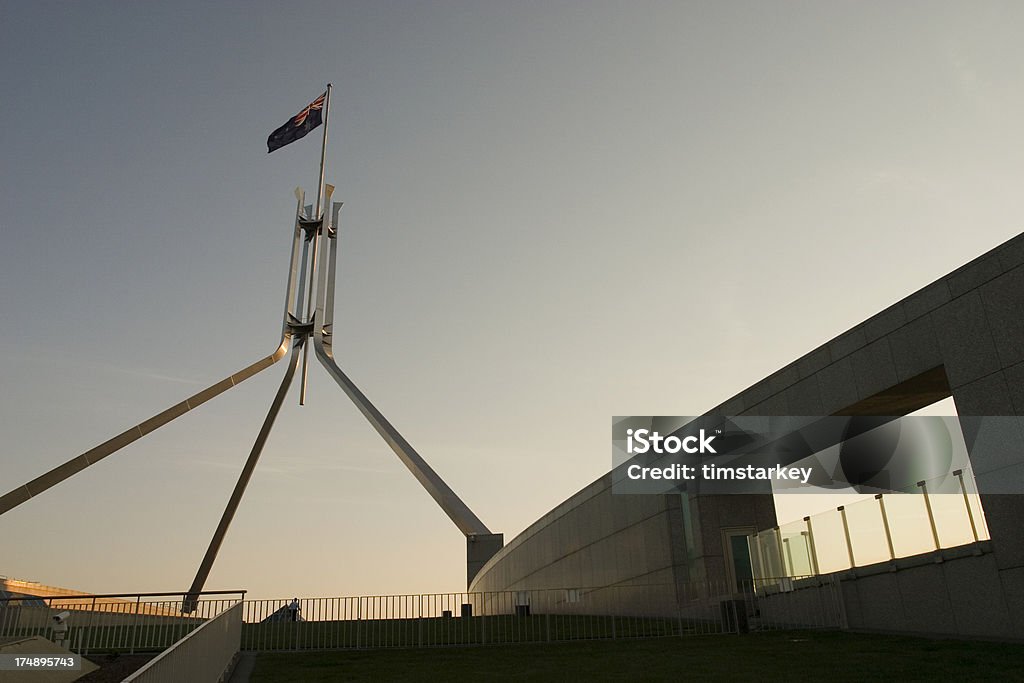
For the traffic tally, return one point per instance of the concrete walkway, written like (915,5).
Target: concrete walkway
(243,668)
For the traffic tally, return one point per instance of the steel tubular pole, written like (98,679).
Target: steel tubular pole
(300,297)
(240,486)
(305,348)
(846,532)
(309,311)
(810,541)
(959,474)
(321,215)
(931,517)
(885,524)
(807,549)
(323,154)
(291,305)
(757,567)
(782,558)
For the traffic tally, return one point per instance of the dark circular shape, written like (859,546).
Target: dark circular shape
(869,444)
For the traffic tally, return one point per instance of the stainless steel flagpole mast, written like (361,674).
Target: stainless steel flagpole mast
(316,241)
(301,326)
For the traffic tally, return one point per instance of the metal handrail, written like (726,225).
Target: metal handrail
(86,596)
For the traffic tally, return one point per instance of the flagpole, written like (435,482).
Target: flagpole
(323,154)
(316,241)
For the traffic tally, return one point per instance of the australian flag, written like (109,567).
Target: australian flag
(298,125)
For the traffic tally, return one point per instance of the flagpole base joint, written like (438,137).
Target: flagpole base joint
(311,226)
(300,330)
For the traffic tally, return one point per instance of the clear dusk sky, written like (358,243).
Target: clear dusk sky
(556,212)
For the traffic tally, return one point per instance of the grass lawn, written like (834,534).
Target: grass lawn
(792,656)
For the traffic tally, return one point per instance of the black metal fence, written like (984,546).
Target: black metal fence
(532,616)
(116,622)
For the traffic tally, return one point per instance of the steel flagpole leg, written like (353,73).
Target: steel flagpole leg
(23,493)
(446,498)
(189,604)
(16,497)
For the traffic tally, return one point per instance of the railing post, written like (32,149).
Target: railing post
(679,613)
(89,634)
(885,524)
(759,573)
(419,624)
(782,557)
(959,474)
(846,532)
(765,564)
(481,619)
(46,628)
(359,621)
(840,601)
(810,544)
(135,621)
(931,517)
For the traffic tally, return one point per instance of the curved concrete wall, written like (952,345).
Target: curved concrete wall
(644,549)
(962,335)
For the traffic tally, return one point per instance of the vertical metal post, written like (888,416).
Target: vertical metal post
(191,599)
(931,517)
(679,615)
(765,568)
(885,523)
(309,304)
(789,554)
(807,549)
(813,551)
(89,634)
(959,474)
(323,154)
(320,215)
(481,620)
(756,567)
(846,532)
(303,277)
(782,558)
(135,621)
(840,602)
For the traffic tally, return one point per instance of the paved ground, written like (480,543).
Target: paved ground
(243,668)
(114,669)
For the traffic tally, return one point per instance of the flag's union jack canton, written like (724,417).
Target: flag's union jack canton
(298,126)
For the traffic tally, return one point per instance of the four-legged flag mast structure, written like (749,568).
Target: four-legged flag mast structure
(311,280)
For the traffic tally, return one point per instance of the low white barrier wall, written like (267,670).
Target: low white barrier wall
(204,655)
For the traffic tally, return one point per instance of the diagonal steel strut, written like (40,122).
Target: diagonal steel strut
(310,227)
(323,324)
(23,493)
(189,603)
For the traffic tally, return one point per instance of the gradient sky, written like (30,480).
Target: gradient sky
(556,212)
